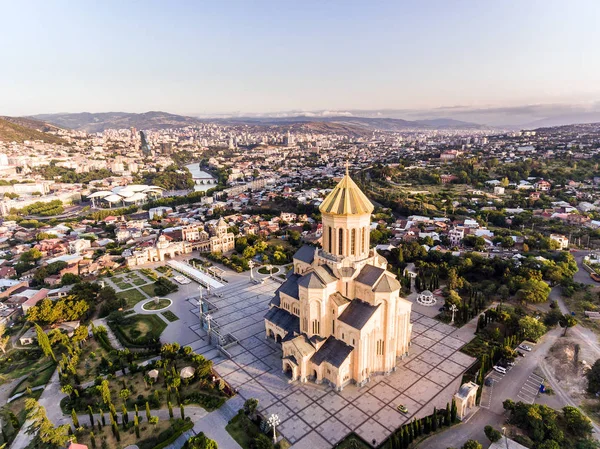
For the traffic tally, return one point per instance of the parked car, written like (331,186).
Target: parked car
(595,277)
(500,369)
(402,409)
(520,354)
(525,347)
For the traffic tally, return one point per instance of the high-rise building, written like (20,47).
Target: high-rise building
(145,146)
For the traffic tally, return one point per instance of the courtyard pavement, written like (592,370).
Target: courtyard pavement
(316,416)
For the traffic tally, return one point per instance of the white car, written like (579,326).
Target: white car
(500,369)
(525,348)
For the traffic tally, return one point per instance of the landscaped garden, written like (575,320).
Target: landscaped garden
(179,378)
(131,297)
(250,430)
(151,434)
(14,416)
(170,316)
(157,304)
(149,290)
(36,378)
(138,330)
(20,362)
(265,270)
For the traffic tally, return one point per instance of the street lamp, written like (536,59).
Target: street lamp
(273,422)
(453,309)
(200,301)
(208,318)
(251,265)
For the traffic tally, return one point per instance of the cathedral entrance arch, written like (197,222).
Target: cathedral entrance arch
(278,339)
(270,334)
(288,370)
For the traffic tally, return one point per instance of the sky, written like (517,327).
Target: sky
(214,57)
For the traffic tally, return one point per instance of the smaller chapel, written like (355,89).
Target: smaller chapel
(339,316)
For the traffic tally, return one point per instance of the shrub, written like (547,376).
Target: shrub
(492,434)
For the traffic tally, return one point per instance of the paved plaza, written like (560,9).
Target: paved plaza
(315,416)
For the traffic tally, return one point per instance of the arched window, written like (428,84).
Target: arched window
(316,327)
(330,240)
(353,242)
(341,242)
(364,240)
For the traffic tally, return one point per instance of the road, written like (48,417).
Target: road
(520,380)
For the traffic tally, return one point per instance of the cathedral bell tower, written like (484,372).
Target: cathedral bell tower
(346,221)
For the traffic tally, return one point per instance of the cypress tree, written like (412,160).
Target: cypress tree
(136,410)
(125,415)
(147,411)
(405,441)
(74,418)
(453,411)
(91,414)
(434,422)
(44,342)
(170,409)
(181,411)
(136,424)
(116,432)
(448,418)
(93,440)
(102,418)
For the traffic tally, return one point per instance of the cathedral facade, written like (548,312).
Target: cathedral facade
(339,315)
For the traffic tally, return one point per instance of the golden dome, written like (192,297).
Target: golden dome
(346,199)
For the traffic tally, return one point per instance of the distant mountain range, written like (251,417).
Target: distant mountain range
(97,122)
(19,129)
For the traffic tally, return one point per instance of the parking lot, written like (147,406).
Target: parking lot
(519,383)
(530,389)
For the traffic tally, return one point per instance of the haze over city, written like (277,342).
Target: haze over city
(238,58)
(300,224)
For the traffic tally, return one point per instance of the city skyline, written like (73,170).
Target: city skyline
(263,57)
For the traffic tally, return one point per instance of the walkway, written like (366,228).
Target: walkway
(112,339)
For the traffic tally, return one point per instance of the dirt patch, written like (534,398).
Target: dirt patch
(568,362)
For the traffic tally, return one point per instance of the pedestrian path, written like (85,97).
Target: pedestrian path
(112,339)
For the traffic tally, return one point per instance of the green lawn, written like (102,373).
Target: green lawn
(162,303)
(170,316)
(148,289)
(243,430)
(123,285)
(19,362)
(135,330)
(132,297)
(38,377)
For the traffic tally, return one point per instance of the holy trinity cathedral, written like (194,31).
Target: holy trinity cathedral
(339,314)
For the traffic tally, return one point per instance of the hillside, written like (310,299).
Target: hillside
(18,129)
(98,122)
